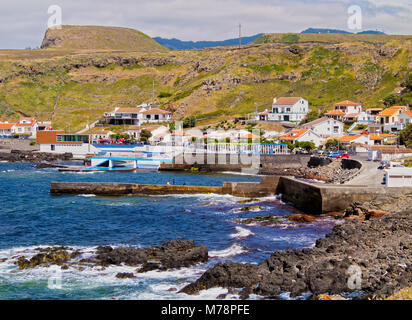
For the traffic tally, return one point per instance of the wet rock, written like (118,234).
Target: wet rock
(125,275)
(34,156)
(250,208)
(301,218)
(172,254)
(266,220)
(48,256)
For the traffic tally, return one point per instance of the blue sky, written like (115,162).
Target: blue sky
(23,22)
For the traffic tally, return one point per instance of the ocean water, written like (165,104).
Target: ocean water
(31,218)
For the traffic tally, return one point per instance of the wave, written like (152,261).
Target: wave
(242,233)
(233,250)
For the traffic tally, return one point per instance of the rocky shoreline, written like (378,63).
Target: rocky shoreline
(170,255)
(372,242)
(31,156)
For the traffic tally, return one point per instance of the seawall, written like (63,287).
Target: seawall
(121,189)
(218,162)
(310,198)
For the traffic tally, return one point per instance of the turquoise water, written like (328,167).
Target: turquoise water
(31,218)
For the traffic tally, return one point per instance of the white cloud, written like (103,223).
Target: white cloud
(23,22)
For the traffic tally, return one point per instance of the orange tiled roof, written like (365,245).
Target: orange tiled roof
(375,137)
(250,136)
(347,103)
(336,113)
(156,111)
(349,138)
(409,113)
(389,111)
(31,122)
(294,134)
(351,115)
(388,135)
(6,125)
(286,101)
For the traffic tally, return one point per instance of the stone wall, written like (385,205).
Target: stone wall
(210,162)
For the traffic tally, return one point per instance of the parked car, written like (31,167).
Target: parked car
(343,155)
(333,154)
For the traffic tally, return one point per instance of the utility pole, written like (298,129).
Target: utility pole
(240,35)
(153,93)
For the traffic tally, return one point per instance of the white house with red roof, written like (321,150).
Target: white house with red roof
(144,113)
(289,109)
(345,110)
(405,117)
(6,129)
(26,127)
(300,135)
(326,127)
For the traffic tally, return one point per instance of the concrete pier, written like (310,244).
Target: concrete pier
(310,198)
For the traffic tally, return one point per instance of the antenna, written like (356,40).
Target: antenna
(240,35)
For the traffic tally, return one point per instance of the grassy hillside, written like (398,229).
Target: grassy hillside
(97,37)
(328,38)
(72,86)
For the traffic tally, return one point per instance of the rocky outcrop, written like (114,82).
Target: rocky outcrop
(170,255)
(173,254)
(30,156)
(380,250)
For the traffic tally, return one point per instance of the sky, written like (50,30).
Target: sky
(23,22)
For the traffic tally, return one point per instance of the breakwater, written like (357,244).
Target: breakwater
(310,198)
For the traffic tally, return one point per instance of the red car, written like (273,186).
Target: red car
(343,155)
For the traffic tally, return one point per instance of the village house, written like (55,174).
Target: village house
(325,127)
(100,135)
(288,109)
(345,110)
(350,139)
(405,117)
(299,135)
(144,113)
(6,129)
(389,118)
(26,127)
(348,107)
(369,116)
(158,132)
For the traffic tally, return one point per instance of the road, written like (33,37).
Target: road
(370,175)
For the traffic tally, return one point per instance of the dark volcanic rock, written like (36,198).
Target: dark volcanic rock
(172,254)
(381,249)
(33,156)
(125,275)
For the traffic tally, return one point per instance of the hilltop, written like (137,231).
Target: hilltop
(73,86)
(98,37)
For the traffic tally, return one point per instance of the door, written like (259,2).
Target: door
(286,118)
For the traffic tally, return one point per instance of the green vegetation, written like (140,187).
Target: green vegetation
(145,135)
(290,38)
(71,89)
(189,122)
(406,135)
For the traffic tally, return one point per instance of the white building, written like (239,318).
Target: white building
(289,109)
(6,129)
(405,117)
(158,132)
(326,127)
(300,135)
(398,177)
(144,113)
(26,127)
(348,107)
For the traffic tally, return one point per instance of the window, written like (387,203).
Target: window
(52,147)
